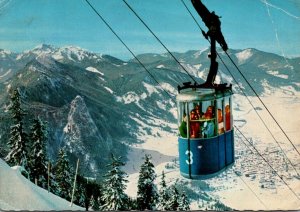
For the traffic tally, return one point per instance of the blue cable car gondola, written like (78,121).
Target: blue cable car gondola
(206,140)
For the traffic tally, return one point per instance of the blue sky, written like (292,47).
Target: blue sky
(268,25)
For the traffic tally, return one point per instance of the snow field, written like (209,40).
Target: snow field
(18,193)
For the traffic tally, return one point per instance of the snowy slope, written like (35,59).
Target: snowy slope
(18,193)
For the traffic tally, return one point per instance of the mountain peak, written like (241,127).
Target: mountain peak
(244,55)
(3,51)
(43,47)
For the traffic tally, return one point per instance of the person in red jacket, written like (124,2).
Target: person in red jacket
(194,125)
(227,118)
(220,122)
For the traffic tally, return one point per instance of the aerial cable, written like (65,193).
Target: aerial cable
(264,123)
(263,104)
(267,6)
(242,90)
(120,39)
(202,30)
(193,17)
(267,162)
(247,83)
(252,191)
(159,40)
(235,172)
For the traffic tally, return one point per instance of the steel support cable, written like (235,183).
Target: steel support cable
(201,30)
(264,123)
(159,40)
(263,104)
(252,191)
(192,16)
(243,92)
(235,172)
(120,39)
(247,83)
(267,162)
(244,181)
(248,186)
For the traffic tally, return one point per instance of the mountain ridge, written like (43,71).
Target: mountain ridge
(119,97)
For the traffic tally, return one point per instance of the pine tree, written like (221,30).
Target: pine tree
(114,197)
(184,203)
(92,195)
(63,176)
(53,185)
(147,194)
(18,137)
(173,203)
(95,203)
(164,193)
(38,160)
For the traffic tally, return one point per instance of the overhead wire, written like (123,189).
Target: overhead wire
(276,34)
(245,93)
(187,73)
(121,40)
(225,67)
(267,162)
(264,123)
(247,83)
(258,95)
(252,191)
(159,40)
(236,173)
(264,104)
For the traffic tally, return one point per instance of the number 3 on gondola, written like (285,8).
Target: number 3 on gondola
(190,157)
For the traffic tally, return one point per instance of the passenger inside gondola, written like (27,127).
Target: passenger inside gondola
(209,114)
(194,125)
(209,127)
(227,118)
(220,122)
(183,127)
(198,111)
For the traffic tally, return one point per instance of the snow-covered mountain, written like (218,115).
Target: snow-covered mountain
(96,105)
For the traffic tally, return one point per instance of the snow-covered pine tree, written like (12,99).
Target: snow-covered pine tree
(63,176)
(114,197)
(147,192)
(38,158)
(173,203)
(184,203)
(164,193)
(18,138)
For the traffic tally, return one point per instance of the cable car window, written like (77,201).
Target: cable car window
(220,116)
(182,119)
(228,115)
(195,131)
(208,119)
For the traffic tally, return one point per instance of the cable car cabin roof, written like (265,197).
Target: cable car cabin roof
(202,94)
